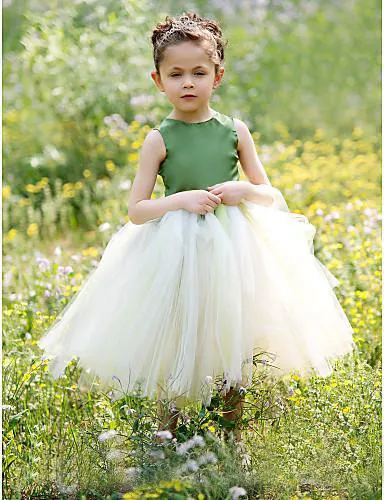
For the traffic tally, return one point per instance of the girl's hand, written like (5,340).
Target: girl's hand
(200,201)
(230,192)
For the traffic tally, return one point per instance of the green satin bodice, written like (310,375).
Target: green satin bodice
(199,154)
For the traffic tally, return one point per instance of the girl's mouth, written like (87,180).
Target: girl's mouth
(188,97)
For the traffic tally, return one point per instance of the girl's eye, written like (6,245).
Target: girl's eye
(177,74)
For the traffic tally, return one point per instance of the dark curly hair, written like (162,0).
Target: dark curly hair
(188,26)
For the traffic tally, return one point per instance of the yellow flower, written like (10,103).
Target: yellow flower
(133,157)
(87,173)
(32,229)
(31,188)
(110,166)
(135,124)
(123,142)
(136,144)
(91,251)
(69,193)
(346,409)
(6,192)
(11,234)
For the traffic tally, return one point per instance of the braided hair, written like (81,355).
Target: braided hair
(188,26)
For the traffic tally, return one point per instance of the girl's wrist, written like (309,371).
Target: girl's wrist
(258,193)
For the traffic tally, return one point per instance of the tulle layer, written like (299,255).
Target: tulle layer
(182,299)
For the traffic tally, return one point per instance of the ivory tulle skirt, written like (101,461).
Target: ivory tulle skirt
(185,298)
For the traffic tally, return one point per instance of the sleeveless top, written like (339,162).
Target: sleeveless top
(198,154)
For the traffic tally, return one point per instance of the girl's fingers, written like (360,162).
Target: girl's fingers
(215,196)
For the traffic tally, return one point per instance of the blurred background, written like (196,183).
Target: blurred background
(78,97)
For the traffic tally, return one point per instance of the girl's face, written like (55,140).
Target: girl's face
(187,69)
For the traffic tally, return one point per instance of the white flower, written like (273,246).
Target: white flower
(104,436)
(164,434)
(237,492)
(104,227)
(131,472)
(69,490)
(190,465)
(57,251)
(115,454)
(43,263)
(182,448)
(208,379)
(207,457)
(125,185)
(7,407)
(198,440)
(157,454)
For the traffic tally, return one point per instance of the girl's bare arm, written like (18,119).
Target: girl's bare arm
(141,208)
(252,166)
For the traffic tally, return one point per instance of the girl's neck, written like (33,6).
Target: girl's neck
(200,115)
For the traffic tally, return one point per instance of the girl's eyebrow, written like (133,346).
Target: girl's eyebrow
(177,67)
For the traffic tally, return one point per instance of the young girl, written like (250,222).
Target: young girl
(217,271)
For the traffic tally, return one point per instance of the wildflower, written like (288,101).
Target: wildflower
(7,407)
(104,227)
(194,441)
(64,270)
(208,379)
(164,434)
(104,436)
(157,454)
(237,492)
(43,263)
(125,185)
(242,390)
(129,411)
(198,440)
(115,454)
(208,457)
(190,465)
(131,472)
(69,490)
(182,448)
(57,251)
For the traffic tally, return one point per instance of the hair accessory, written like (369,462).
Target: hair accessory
(182,24)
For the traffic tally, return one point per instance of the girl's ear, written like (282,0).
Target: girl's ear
(218,77)
(156,78)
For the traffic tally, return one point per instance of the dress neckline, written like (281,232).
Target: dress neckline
(214,114)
